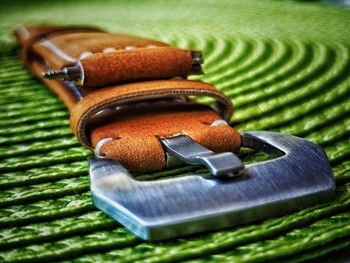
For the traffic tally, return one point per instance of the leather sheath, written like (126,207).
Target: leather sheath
(130,92)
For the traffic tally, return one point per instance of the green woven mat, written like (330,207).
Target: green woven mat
(286,67)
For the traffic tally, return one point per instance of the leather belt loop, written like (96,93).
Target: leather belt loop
(116,95)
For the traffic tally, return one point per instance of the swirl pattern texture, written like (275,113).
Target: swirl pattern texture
(284,64)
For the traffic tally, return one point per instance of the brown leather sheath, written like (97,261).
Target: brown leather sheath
(129,92)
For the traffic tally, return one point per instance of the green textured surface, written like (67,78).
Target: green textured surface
(284,64)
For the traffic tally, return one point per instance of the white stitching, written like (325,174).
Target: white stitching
(99,145)
(85,55)
(129,48)
(109,49)
(219,122)
(56,50)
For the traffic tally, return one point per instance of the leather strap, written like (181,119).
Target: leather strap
(142,63)
(139,91)
(105,58)
(136,132)
(133,114)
